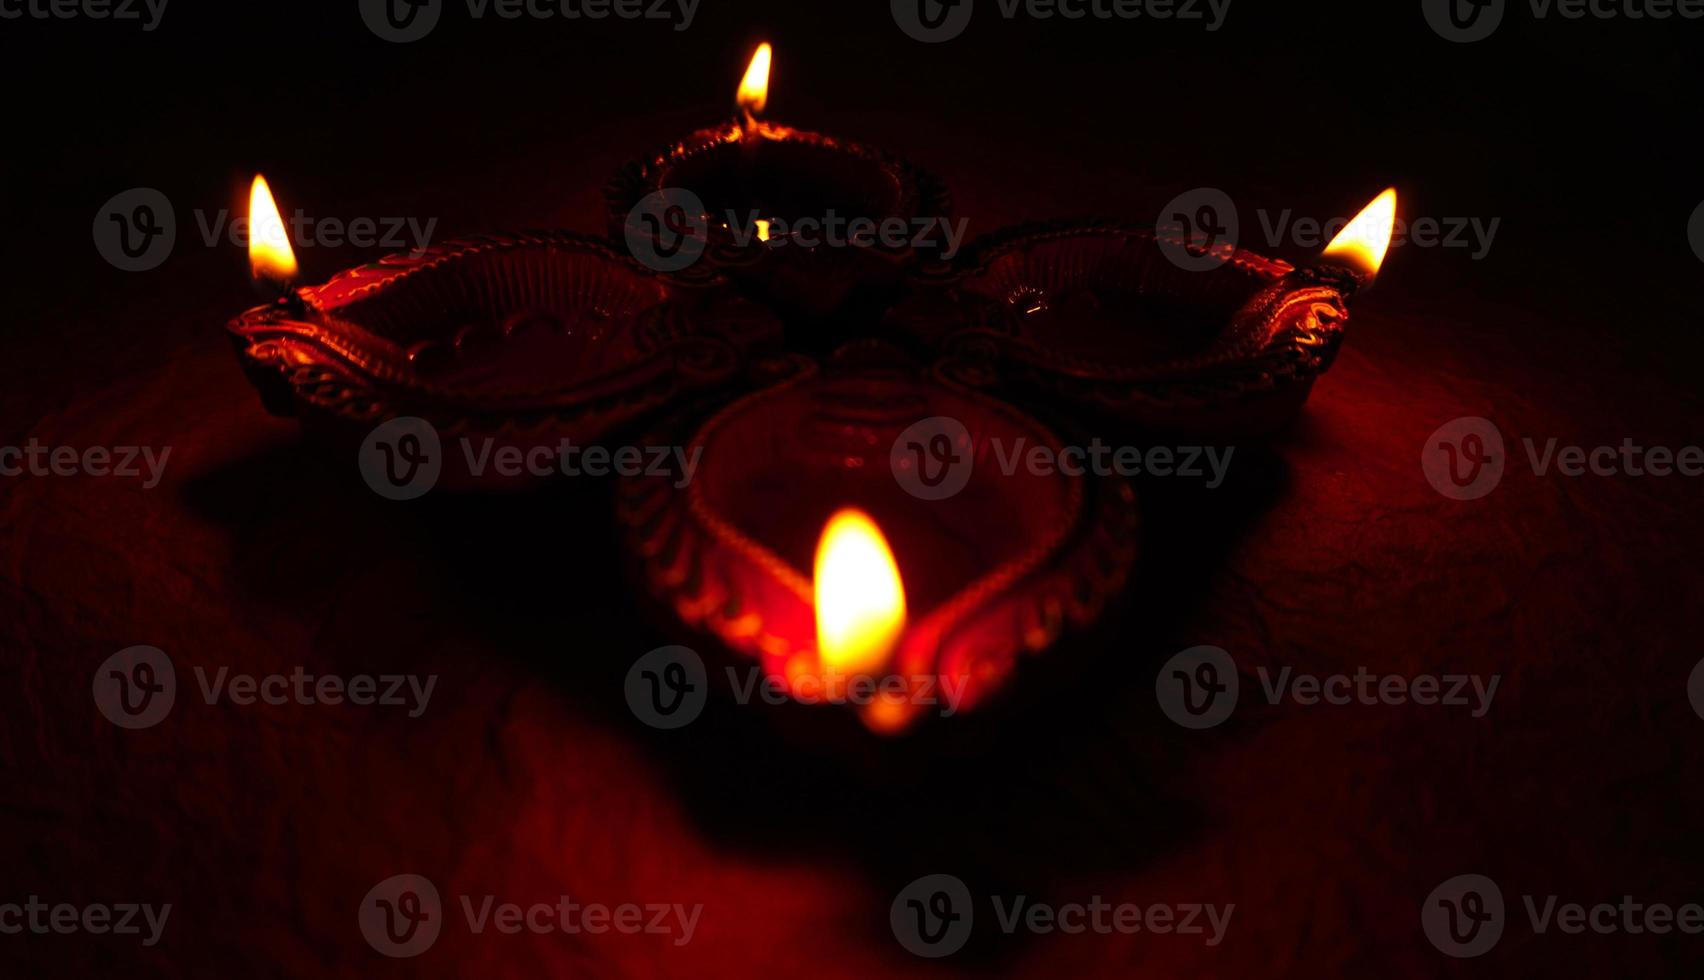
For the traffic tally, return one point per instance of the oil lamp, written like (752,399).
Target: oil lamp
(796,547)
(1095,317)
(752,174)
(527,339)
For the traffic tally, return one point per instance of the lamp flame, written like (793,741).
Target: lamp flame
(1362,243)
(860,601)
(754,87)
(271,259)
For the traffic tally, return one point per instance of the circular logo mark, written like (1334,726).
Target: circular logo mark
(1197,230)
(1463,21)
(401,459)
(932,21)
(1695,688)
(932,916)
(933,459)
(401,21)
(1198,687)
(402,916)
(1695,232)
(1464,458)
(135,230)
(135,687)
(1463,917)
(668,687)
(668,229)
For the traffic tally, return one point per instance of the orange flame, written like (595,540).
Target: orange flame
(860,601)
(1362,243)
(754,87)
(270,256)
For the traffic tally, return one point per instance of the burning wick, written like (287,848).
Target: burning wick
(753,94)
(860,601)
(1358,251)
(271,260)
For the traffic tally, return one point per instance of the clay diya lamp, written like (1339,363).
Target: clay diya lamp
(529,339)
(784,212)
(1151,330)
(857,524)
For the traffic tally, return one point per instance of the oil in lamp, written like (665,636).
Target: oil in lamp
(752,168)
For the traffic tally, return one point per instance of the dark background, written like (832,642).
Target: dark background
(528,777)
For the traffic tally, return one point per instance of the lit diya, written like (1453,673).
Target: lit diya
(1098,317)
(803,543)
(758,186)
(531,338)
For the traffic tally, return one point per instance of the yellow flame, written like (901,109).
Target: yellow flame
(1362,243)
(763,229)
(270,255)
(754,87)
(860,601)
